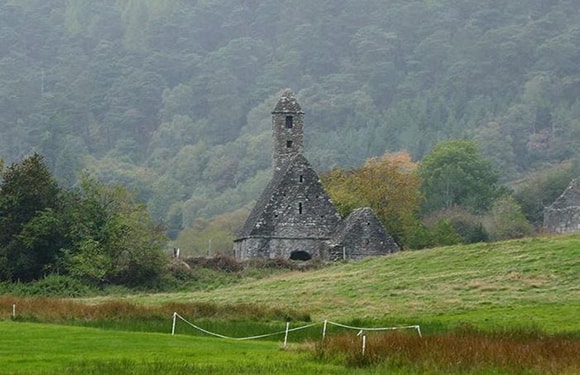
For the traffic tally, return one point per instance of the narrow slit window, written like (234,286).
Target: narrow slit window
(289,122)
(288,144)
(301,178)
(300,208)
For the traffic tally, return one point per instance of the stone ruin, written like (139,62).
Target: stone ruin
(563,216)
(294,218)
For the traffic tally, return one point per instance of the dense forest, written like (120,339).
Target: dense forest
(172,98)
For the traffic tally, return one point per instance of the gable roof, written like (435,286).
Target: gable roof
(569,198)
(270,210)
(362,222)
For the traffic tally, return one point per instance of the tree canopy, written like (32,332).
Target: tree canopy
(97,234)
(454,173)
(172,98)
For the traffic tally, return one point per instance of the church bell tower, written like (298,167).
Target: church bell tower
(287,130)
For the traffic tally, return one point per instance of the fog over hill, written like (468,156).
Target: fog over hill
(173,98)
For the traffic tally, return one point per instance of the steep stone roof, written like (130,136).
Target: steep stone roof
(275,211)
(362,223)
(287,103)
(569,198)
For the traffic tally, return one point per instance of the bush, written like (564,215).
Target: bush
(50,286)
(506,220)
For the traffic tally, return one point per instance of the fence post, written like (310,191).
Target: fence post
(173,325)
(286,335)
(324,329)
(364,344)
(14,311)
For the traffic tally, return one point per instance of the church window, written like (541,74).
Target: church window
(289,122)
(288,144)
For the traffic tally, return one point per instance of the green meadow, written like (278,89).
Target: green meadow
(493,308)
(32,348)
(522,283)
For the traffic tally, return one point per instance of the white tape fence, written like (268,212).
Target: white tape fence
(288,330)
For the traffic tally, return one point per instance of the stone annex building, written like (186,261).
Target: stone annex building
(563,216)
(294,218)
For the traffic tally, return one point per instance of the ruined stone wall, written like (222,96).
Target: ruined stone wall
(251,248)
(563,216)
(299,207)
(562,220)
(361,235)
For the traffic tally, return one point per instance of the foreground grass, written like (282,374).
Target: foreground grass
(30,349)
(40,349)
(531,282)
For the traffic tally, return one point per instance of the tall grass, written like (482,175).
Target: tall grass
(236,320)
(466,351)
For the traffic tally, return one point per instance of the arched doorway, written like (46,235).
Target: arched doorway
(300,255)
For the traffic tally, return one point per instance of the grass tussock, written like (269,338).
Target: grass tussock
(465,351)
(54,310)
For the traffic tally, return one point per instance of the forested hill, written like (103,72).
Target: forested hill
(173,97)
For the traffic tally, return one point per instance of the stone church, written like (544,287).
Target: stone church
(294,218)
(563,216)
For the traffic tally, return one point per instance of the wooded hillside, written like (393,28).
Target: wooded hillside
(173,98)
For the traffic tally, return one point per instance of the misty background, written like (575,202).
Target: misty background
(173,98)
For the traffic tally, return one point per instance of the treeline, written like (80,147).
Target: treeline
(95,234)
(453,196)
(173,98)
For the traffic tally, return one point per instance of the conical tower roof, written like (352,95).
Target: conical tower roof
(287,103)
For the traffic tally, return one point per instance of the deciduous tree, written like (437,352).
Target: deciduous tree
(454,173)
(388,184)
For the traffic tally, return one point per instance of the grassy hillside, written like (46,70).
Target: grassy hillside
(531,282)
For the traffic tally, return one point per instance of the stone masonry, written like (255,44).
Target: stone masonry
(294,218)
(563,216)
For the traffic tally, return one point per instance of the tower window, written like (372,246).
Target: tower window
(301,179)
(300,208)
(289,122)
(288,144)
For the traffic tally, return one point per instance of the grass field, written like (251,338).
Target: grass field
(530,287)
(525,283)
(32,348)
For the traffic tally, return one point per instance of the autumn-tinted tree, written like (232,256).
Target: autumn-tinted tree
(388,184)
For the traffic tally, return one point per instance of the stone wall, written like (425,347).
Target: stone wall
(272,248)
(563,216)
(562,220)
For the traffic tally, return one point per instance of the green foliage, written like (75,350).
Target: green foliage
(444,234)
(542,188)
(52,285)
(454,173)
(506,220)
(175,95)
(100,234)
(388,184)
(468,226)
(31,226)
(208,238)
(116,239)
